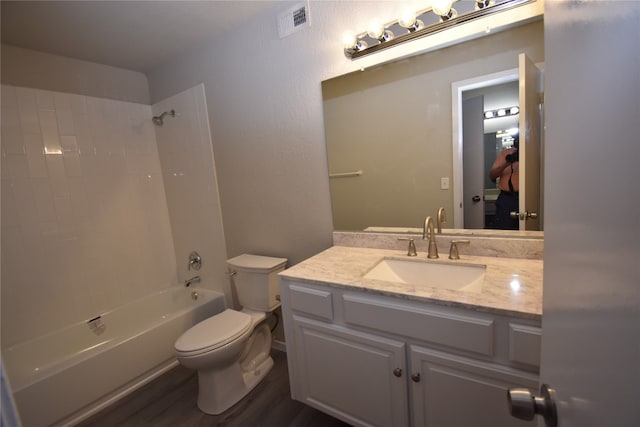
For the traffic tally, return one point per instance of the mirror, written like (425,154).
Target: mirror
(389,132)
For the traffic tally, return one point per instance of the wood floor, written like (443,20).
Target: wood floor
(170,401)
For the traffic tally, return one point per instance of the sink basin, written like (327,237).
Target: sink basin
(462,277)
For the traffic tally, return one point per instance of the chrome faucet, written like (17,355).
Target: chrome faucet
(442,217)
(428,233)
(194,279)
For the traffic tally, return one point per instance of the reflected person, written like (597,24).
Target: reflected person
(505,170)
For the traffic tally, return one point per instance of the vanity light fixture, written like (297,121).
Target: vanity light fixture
(410,26)
(409,21)
(481,4)
(501,112)
(352,44)
(379,32)
(443,9)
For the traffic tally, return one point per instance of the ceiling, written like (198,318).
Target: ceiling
(135,35)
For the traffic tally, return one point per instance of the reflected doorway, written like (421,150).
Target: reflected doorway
(490,123)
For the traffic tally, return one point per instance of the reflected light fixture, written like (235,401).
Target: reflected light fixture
(412,25)
(502,112)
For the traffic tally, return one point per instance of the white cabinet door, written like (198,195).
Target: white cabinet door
(453,391)
(357,377)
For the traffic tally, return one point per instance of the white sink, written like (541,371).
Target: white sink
(431,274)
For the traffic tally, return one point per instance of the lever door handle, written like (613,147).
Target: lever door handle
(524,216)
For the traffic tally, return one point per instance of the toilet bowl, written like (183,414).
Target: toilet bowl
(231,350)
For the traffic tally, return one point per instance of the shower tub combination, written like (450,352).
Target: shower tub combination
(70,374)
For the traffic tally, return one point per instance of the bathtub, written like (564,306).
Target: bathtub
(68,375)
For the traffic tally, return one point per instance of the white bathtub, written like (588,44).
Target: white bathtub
(66,376)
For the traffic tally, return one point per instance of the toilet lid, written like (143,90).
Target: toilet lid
(214,332)
(256,262)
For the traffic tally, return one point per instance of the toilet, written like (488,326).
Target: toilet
(232,350)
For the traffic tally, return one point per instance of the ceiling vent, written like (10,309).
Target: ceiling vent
(293,19)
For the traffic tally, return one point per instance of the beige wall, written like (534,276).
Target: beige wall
(394,123)
(29,68)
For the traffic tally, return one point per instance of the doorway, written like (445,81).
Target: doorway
(490,124)
(498,90)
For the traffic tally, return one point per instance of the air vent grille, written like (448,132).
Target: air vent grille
(300,17)
(293,19)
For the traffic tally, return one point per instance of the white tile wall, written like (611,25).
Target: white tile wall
(184,144)
(85,224)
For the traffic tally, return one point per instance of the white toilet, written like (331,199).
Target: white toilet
(231,350)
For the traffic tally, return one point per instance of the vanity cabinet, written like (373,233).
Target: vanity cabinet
(355,376)
(378,360)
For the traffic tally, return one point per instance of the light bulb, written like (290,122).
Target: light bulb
(407,19)
(376,30)
(514,110)
(441,7)
(351,42)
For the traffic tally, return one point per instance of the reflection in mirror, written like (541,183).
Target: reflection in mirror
(389,130)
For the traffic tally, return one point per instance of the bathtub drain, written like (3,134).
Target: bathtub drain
(96,325)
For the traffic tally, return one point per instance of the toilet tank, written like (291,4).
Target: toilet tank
(256,280)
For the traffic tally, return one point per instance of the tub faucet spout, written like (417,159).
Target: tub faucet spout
(428,233)
(194,279)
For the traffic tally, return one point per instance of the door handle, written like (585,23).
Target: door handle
(524,216)
(524,406)
(476,198)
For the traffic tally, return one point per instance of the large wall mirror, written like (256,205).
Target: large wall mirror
(389,131)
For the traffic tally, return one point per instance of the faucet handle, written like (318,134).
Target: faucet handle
(411,251)
(195,261)
(453,250)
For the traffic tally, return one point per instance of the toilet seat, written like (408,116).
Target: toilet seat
(213,333)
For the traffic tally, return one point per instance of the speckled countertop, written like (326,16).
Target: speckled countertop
(511,286)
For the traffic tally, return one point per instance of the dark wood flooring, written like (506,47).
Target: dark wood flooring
(170,400)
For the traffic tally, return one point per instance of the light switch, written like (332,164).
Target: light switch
(444,183)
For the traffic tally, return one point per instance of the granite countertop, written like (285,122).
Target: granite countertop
(512,286)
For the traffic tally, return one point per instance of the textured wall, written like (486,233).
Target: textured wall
(265,107)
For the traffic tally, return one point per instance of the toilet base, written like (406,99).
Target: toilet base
(220,389)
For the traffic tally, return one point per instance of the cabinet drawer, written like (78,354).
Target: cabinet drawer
(444,326)
(316,302)
(524,344)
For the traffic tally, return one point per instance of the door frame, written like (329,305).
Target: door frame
(457,88)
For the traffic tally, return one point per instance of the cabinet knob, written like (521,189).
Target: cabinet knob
(397,372)
(416,377)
